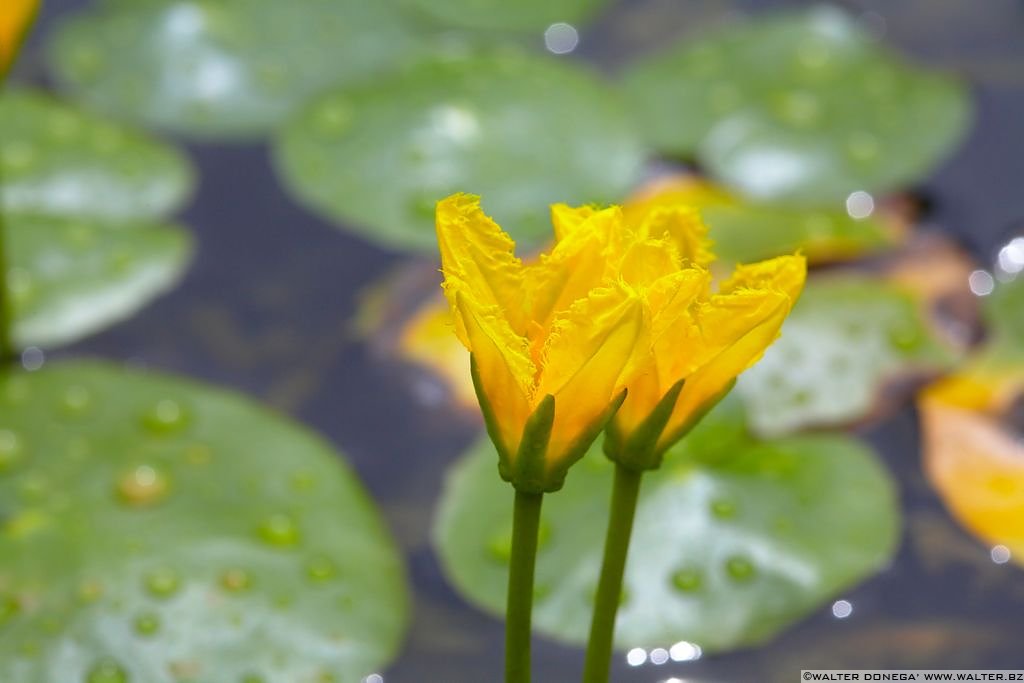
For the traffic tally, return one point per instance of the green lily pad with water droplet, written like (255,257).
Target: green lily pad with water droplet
(233,68)
(800,106)
(734,538)
(68,278)
(170,531)
(522,131)
(847,337)
(61,161)
(83,202)
(525,15)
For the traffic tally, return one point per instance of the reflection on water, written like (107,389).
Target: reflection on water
(1000,554)
(682,651)
(981,282)
(1011,257)
(561,38)
(32,358)
(266,310)
(841,609)
(860,204)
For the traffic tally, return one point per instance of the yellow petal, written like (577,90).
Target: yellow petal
(647,261)
(15,18)
(672,303)
(784,273)
(671,210)
(671,336)
(736,330)
(474,250)
(577,264)
(682,224)
(589,348)
(566,219)
(504,366)
(644,390)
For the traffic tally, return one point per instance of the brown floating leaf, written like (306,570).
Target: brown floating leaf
(972,456)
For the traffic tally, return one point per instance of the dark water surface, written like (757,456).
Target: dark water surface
(265,309)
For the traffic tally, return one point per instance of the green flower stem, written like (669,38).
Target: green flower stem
(625,491)
(518,611)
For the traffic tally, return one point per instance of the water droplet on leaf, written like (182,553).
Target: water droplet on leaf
(235,580)
(723,509)
(166,416)
(142,485)
(687,580)
(279,530)
(321,569)
(107,671)
(162,583)
(147,624)
(740,568)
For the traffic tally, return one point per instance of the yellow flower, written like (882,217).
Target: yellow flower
(15,17)
(699,343)
(549,340)
(694,342)
(617,303)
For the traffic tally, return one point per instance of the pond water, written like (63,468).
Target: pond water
(267,305)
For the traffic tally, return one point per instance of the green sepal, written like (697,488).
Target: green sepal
(695,418)
(529,469)
(639,450)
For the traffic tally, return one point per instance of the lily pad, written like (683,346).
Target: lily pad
(745,230)
(523,131)
(153,529)
(847,337)
(800,106)
(61,161)
(223,69)
(745,233)
(83,200)
(734,538)
(525,15)
(71,277)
